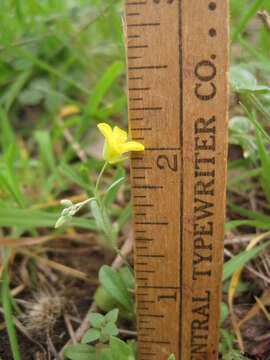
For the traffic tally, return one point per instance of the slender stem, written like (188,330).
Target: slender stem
(99,178)
(118,252)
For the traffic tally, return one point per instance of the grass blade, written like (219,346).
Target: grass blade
(242,23)
(6,301)
(240,260)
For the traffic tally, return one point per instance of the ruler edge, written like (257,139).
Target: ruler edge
(226,120)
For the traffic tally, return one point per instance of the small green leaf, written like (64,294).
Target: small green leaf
(96,320)
(103,221)
(104,337)
(171,357)
(112,315)
(241,80)
(110,329)
(127,276)
(80,352)
(120,350)
(90,336)
(223,312)
(114,285)
(112,191)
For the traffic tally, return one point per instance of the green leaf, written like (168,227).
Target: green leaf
(256,124)
(8,316)
(30,97)
(102,87)
(69,172)
(96,320)
(265,160)
(112,315)
(120,350)
(113,189)
(80,352)
(15,88)
(171,357)
(45,146)
(127,276)
(114,285)
(102,221)
(35,218)
(97,96)
(223,312)
(241,80)
(251,10)
(110,329)
(90,336)
(264,225)
(7,135)
(9,180)
(240,260)
(103,299)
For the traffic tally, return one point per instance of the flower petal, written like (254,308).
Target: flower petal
(119,135)
(105,130)
(131,146)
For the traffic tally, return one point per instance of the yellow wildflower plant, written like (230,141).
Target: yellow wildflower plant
(116,143)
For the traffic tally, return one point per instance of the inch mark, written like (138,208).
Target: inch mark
(162,148)
(151,256)
(136,3)
(134,36)
(139,177)
(148,67)
(136,99)
(134,57)
(156,342)
(135,78)
(139,89)
(137,119)
(141,129)
(137,46)
(144,24)
(158,108)
(152,187)
(133,14)
(159,287)
(143,205)
(141,167)
(151,315)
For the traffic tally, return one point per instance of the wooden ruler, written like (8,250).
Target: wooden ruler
(177,69)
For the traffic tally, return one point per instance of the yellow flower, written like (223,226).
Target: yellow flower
(115,143)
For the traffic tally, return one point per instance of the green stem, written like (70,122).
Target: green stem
(99,178)
(115,248)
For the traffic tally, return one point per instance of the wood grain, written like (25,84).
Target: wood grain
(177,75)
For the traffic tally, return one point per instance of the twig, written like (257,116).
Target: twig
(127,332)
(52,348)
(265,19)
(26,333)
(116,264)
(70,328)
